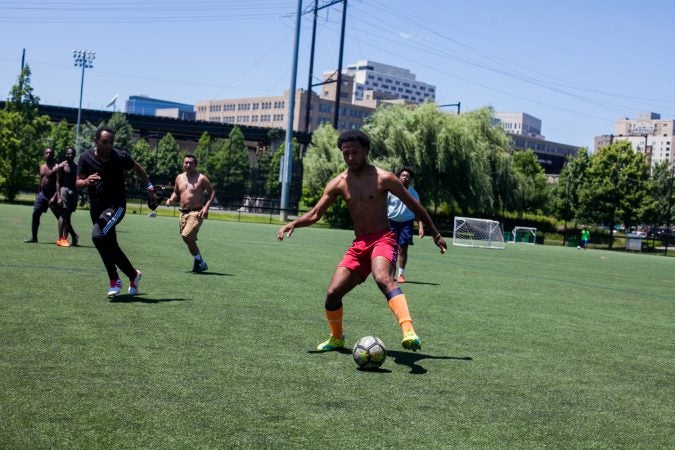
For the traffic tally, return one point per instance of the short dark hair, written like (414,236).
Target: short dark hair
(193,157)
(100,130)
(354,136)
(406,169)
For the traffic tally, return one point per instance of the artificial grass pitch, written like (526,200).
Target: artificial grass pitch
(529,347)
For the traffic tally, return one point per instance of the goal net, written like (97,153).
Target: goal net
(471,232)
(524,235)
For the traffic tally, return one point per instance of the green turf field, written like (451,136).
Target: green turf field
(529,347)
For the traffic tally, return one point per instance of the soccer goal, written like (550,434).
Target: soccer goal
(484,233)
(524,235)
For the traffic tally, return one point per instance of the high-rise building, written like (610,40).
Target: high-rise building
(648,134)
(372,79)
(364,86)
(520,123)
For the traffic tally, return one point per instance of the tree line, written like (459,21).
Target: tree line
(465,164)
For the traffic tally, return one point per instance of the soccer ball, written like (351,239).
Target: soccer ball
(369,353)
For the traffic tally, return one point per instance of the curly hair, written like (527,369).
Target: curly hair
(406,169)
(354,136)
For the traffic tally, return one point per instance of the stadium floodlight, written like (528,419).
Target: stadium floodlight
(85,60)
(525,235)
(472,232)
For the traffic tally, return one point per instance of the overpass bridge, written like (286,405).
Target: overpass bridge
(181,130)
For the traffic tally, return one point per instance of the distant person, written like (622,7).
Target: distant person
(66,189)
(585,238)
(101,169)
(364,188)
(46,197)
(190,188)
(402,218)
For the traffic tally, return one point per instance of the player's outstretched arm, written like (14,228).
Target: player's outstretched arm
(312,216)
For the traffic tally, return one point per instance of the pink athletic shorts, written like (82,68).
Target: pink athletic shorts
(365,248)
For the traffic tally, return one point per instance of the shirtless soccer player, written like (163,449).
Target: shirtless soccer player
(190,188)
(364,188)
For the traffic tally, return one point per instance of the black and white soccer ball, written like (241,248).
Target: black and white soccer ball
(369,352)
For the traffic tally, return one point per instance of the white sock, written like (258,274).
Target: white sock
(400,271)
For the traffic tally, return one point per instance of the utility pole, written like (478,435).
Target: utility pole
(287,165)
(308,105)
(336,116)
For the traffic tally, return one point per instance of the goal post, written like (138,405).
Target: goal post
(472,232)
(524,235)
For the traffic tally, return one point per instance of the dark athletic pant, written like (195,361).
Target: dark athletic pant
(40,207)
(104,237)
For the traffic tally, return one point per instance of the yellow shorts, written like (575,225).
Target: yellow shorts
(189,224)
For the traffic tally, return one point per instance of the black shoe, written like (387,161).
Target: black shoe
(76,240)
(31,241)
(196,267)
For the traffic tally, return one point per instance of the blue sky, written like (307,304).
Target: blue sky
(576,65)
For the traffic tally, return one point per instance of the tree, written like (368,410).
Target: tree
(202,150)
(123,130)
(531,192)
(230,162)
(565,195)
(168,160)
(22,137)
(322,163)
(453,156)
(60,138)
(615,187)
(661,210)
(143,153)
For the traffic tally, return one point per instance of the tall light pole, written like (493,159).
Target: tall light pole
(84,59)
(458,105)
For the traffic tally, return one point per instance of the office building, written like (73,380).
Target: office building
(146,106)
(372,80)
(648,134)
(271,111)
(363,87)
(519,123)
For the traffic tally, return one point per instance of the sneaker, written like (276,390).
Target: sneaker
(400,279)
(76,240)
(31,241)
(411,341)
(199,266)
(63,243)
(331,344)
(114,289)
(133,284)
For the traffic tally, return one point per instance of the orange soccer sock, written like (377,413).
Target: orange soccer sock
(399,306)
(335,322)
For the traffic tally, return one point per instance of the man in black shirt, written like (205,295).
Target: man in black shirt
(101,169)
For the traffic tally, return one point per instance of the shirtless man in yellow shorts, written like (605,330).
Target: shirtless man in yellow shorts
(190,188)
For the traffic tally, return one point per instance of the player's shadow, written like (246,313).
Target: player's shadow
(126,298)
(422,282)
(210,273)
(344,351)
(411,360)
